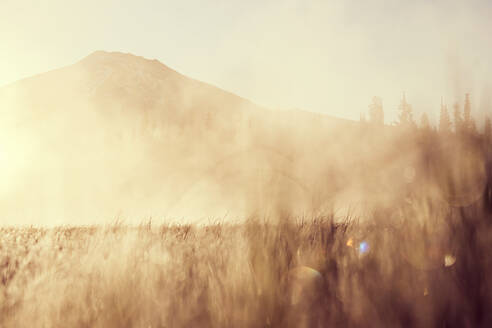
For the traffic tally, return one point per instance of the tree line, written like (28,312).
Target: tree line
(459,122)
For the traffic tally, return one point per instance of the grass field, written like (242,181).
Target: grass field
(423,260)
(305,273)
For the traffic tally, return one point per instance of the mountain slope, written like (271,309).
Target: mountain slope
(116,134)
(116,83)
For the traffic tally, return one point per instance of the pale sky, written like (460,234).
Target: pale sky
(323,56)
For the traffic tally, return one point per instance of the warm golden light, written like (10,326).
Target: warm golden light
(245,163)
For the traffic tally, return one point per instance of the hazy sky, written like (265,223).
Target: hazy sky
(325,56)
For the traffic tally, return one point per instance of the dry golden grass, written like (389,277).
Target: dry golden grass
(432,272)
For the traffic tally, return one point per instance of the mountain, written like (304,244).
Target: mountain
(118,84)
(120,135)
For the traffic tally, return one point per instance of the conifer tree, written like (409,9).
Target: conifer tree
(405,116)
(444,120)
(424,122)
(376,113)
(473,128)
(458,119)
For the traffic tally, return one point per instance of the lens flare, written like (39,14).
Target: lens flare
(363,247)
(449,260)
(304,283)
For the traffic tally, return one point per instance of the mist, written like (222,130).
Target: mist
(120,137)
(245,164)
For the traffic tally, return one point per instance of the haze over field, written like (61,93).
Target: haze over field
(112,134)
(217,163)
(116,135)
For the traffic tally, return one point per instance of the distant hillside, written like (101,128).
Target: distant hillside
(116,134)
(127,87)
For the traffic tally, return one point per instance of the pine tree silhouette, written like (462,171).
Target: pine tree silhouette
(458,119)
(444,120)
(424,122)
(406,113)
(376,113)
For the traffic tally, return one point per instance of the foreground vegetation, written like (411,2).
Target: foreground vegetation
(420,257)
(395,272)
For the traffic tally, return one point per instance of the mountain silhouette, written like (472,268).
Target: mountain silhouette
(117,134)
